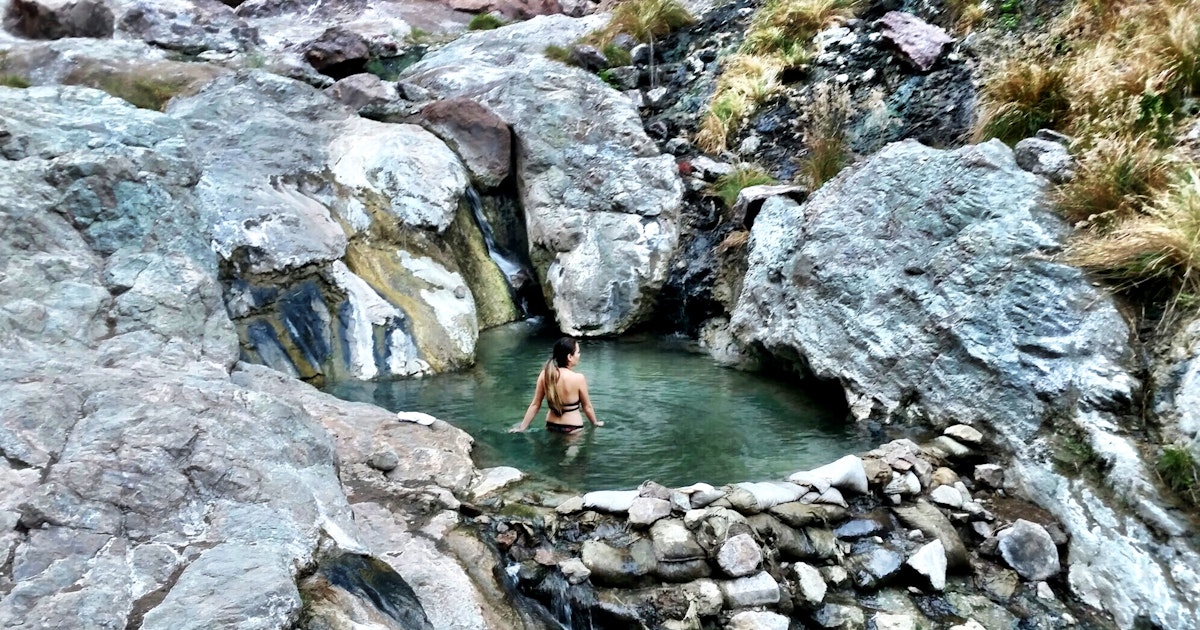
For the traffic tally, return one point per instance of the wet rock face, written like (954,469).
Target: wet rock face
(601,204)
(56,19)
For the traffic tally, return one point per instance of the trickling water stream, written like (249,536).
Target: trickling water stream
(514,273)
(672,416)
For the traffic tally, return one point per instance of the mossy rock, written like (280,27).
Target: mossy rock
(493,299)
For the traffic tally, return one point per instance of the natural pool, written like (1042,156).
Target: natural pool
(671,415)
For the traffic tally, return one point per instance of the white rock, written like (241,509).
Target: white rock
(756,590)
(812,585)
(965,433)
(885,621)
(610,500)
(990,475)
(847,473)
(930,561)
(962,490)
(947,496)
(645,511)
(570,506)
(574,570)
(970,625)
(758,620)
(422,419)
(739,556)
(1045,592)
(492,479)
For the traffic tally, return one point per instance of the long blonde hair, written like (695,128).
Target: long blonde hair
(563,349)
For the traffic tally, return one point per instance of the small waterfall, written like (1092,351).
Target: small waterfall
(514,273)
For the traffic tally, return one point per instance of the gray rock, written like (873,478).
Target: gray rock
(682,571)
(947,496)
(1047,158)
(626,78)
(751,198)
(811,586)
(644,511)
(493,479)
(338,52)
(385,461)
(618,566)
(574,570)
(867,525)
(601,204)
(990,475)
(362,91)
(920,42)
(189,27)
(570,506)
(673,542)
(790,543)
(930,562)
(757,590)
(739,556)
(873,568)
(758,620)
(589,58)
(840,617)
(965,434)
(1028,549)
(934,524)
(55,19)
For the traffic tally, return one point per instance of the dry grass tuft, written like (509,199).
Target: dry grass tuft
(645,20)
(1116,177)
(736,239)
(825,136)
(1021,97)
(746,81)
(785,27)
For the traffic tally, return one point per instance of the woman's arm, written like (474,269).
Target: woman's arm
(538,394)
(586,402)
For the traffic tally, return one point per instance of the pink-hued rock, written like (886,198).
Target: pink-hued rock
(921,42)
(480,138)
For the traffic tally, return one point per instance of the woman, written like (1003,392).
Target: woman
(565,392)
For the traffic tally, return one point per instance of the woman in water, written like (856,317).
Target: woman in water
(564,390)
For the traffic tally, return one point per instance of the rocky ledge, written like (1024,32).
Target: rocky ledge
(904,536)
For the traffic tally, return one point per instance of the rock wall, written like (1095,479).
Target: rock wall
(601,204)
(146,478)
(924,282)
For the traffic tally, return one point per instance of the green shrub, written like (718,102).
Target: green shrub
(484,22)
(143,92)
(558,53)
(728,186)
(617,56)
(1178,470)
(13,81)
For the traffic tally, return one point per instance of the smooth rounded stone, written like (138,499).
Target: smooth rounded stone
(947,496)
(887,621)
(682,570)
(758,620)
(930,562)
(614,501)
(906,484)
(949,448)
(990,475)
(644,511)
(415,417)
(756,590)
(56,19)
(384,461)
(874,523)
(872,568)
(811,586)
(570,506)
(789,542)
(674,542)
(916,534)
(944,477)
(739,556)
(482,140)
(574,570)
(965,434)
(1045,157)
(798,514)
(493,479)
(614,566)
(1028,549)
(847,473)
(840,617)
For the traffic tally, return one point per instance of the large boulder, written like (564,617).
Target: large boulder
(187,26)
(482,140)
(601,204)
(925,282)
(56,19)
(332,228)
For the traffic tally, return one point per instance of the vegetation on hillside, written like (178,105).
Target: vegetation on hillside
(646,21)
(778,39)
(1121,78)
(728,186)
(484,22)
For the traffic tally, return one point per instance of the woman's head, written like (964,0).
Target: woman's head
(563,350)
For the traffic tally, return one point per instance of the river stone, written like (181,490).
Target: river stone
(874,567)
(739,556)
(990,475)
(673,541)
(823,541)
(601,203)
(846,473)
(570,506)
(384,461)
(934,524)
(965,434)
(1028,549)
(55,19)
(574,570)
(610,500)
(493,479)
(644,511)
(811,585)
(757,590)
(871,524)
(362,91)
(947,496)
(930,562)
(840,617)
(758,620)
(800,515)
(1045,157)
(616,566)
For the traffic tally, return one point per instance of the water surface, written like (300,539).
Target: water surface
(671,415)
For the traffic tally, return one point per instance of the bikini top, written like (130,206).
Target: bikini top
(567,407)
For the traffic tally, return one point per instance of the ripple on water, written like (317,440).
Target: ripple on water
(671,415)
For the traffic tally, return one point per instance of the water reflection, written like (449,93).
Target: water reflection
(672,416)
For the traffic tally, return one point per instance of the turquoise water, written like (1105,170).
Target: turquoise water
(671,415)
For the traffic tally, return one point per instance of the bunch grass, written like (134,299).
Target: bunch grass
(727,187)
